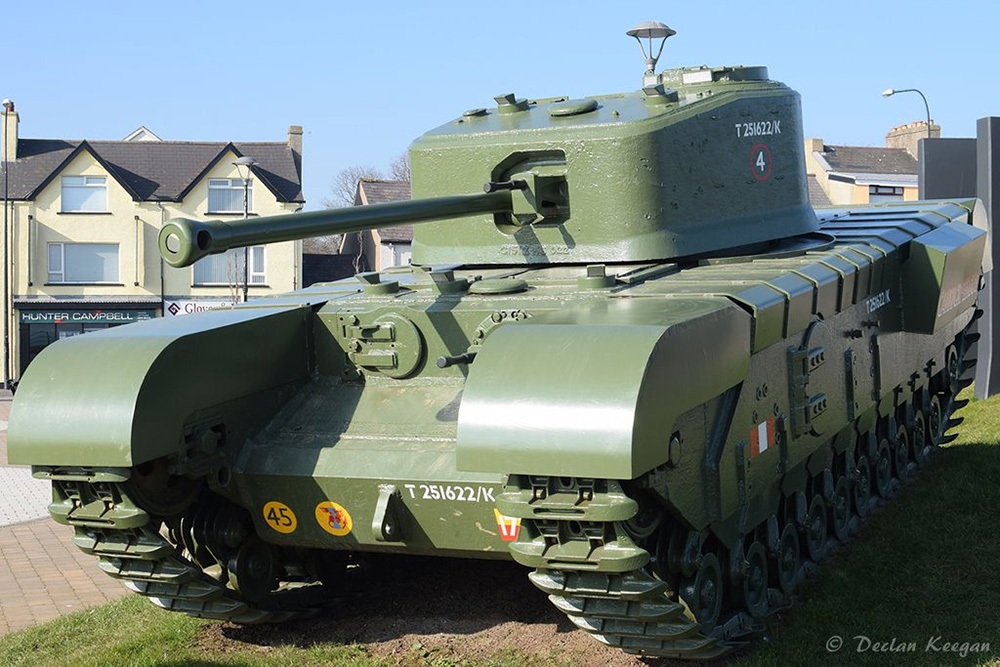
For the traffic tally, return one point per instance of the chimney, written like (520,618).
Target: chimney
(295,138)
(907,136)
(9,131)
(814,145)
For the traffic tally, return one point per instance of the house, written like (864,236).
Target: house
(84,218)
(380,248)
(868,174)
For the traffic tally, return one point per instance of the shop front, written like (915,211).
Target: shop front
(39,327)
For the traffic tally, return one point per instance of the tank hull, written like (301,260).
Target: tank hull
(629,436)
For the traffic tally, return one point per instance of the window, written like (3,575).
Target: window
(883,193)
(83,263)
(225,195)
(84,194)
(227,268)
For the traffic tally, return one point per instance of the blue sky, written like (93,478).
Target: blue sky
(365,79)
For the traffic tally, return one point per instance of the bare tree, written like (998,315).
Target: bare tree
(399,168)
(345,184)
(342,189)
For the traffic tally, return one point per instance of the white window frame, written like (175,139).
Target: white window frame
(100,182)
(878,194)
(58,277)
(257,274)
(231,184)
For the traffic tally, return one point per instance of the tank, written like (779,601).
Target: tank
(628,355)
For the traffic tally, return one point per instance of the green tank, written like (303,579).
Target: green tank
(639,363)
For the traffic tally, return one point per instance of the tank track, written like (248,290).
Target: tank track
(130,545)
(597,555)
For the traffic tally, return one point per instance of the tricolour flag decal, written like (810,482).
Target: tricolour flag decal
(509,526)
(761,438)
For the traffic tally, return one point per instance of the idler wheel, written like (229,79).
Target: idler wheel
(815,529)
(918,437)
(703,594)
(787,560)
(883,469)
(840,509)
(253,570)
(751,592)
(901,452)
(953,370)
(935,421)
(160,493)
(862,490)
(644,523)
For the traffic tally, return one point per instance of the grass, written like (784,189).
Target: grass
(926,569)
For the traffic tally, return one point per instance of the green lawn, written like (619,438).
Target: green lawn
(924,574)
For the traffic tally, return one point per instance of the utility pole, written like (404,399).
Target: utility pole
(8,107)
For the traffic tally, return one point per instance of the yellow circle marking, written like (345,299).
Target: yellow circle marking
(280,517)
(333,518)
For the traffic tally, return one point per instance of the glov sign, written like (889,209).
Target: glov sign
(188,306)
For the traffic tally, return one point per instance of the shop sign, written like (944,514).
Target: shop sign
(67,316)
(188,306)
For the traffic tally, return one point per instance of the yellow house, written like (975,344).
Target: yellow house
(83,221)
(869,174)
(378,249)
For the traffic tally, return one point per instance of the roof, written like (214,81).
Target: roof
(154,170)
(373,191)
(817,197)
(326,268)
(869,160)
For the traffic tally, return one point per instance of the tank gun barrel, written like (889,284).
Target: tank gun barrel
(183,241)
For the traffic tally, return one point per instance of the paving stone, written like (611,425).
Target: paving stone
(24,497)
(58,579)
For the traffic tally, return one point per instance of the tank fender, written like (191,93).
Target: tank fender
(595,391)
(941,276)
(122,396)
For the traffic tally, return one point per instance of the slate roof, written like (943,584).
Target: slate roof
(817,197)
(154,170)
(372,191)
(869,160)
(318,268)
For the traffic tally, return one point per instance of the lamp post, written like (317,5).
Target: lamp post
(889,92)
(247,162)
(8,107)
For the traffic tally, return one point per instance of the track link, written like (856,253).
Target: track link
(129,546)
(592,568)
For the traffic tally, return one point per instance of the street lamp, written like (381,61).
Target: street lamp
(889,92)
(247,162)
(8,107)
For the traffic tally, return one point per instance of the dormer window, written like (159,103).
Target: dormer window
(84,194)
(225,195)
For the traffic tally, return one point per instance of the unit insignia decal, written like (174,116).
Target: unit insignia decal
(333,518)
(509,526)
(761,438)
(280,517)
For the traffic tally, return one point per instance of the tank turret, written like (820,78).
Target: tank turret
(699,161)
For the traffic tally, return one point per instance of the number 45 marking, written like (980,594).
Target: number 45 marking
(760,162)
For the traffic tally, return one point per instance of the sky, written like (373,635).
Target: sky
(366,79)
